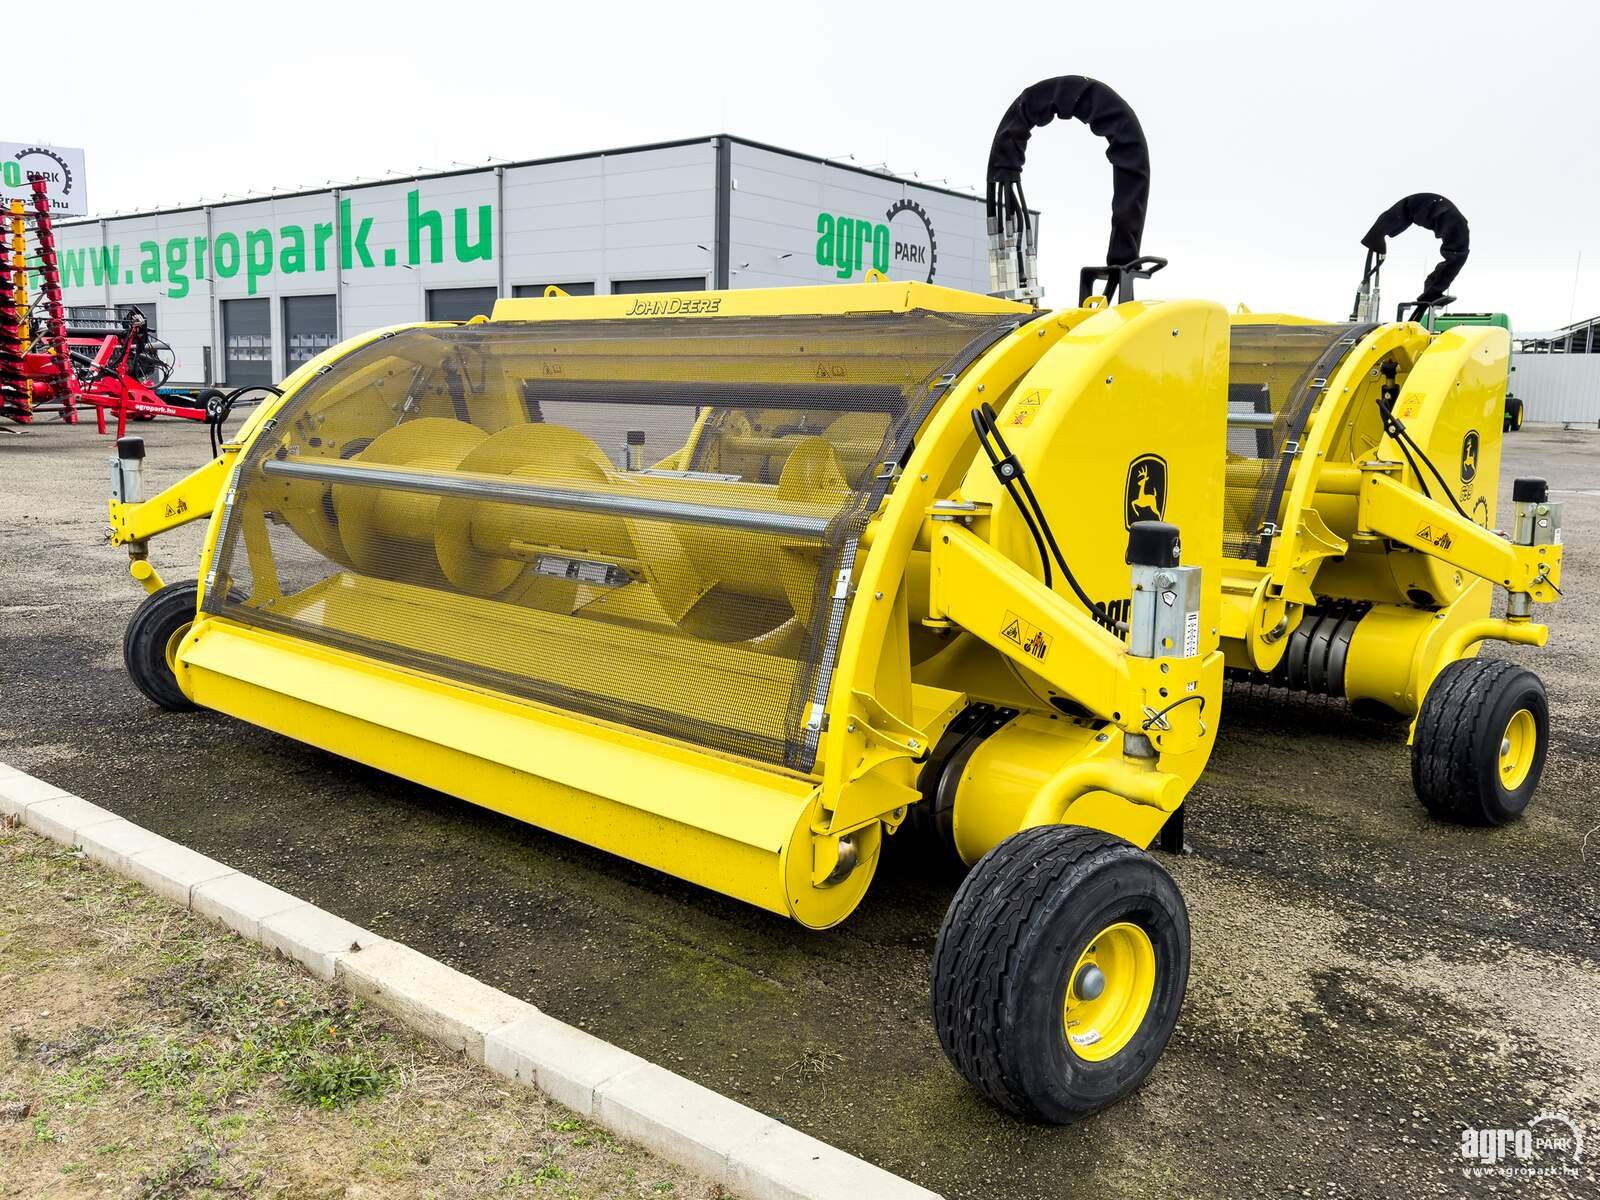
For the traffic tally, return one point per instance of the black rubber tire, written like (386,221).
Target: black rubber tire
(1015,930)
(144,643)
(1517,414)
(1455,754)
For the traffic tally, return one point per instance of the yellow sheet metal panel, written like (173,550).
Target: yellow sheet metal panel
(712,821)
(1122,420)
(882,297)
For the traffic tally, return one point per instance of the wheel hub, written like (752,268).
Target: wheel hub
(1517,747)
(1111,989)
(1090,983)
(173,643)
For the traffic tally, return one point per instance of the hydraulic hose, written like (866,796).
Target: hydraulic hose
(1430,211)
(1108,115)
(219,409)
(1008,470)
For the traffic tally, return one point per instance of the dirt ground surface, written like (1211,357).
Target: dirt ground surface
(1367,983)
(146,1052)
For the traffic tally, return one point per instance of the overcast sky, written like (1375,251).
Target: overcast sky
(1277,131)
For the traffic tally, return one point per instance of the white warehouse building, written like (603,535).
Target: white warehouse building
(246,291)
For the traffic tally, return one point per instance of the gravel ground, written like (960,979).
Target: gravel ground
(1366,983)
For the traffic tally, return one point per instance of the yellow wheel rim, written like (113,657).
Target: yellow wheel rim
(1109,991)
(1517,745)
(173,642)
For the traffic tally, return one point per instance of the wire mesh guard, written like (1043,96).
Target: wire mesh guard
(1276,374)
(643,522)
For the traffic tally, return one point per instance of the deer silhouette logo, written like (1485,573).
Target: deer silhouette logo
(1145,498)
(1469,456)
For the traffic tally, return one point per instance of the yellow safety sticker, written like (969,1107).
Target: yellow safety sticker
(1441,539)
(1410,406)
(1028,407)
(1030,639)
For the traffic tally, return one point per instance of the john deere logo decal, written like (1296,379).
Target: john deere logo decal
(1145,498)
(1469,456)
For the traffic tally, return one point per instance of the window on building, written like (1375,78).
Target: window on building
(460,304)
(310,326)
(247,342)
(94,317)
(522,290)
(633,287)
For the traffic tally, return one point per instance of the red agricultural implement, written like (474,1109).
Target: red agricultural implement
(51,365)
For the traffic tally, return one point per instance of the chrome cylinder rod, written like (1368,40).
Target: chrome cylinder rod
(1250,420)
(539,495)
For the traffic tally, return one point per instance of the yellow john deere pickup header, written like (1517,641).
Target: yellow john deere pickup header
(738,584)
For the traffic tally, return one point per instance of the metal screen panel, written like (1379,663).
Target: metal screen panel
(645,522)
(1281,370)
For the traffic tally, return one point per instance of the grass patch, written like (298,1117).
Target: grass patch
(146,1053)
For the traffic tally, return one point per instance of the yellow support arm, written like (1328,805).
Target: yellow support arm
(1396,512)
(134,523)
(976,587)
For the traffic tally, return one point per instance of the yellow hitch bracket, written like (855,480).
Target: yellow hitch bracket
(886,736)
(1394,511)
(1313,542)
(883,738)
(191,498)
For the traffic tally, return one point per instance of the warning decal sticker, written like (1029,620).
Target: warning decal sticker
(1030,639)
(1441,539)
(1028,407)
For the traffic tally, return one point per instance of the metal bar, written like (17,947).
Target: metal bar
(1250,420)
(533,495)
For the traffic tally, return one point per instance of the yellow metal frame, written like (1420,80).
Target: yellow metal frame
(1079,393)
(1355,520)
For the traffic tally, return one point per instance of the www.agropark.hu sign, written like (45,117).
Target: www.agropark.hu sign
(287,250)
(901,246)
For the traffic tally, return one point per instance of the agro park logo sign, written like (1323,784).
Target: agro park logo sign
(61,167)
(901,246)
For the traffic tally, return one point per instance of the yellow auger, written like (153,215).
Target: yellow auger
(737,584)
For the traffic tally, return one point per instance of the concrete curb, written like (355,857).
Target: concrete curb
(751,1154)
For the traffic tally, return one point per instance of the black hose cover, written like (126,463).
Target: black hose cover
(1430,211)
(1107,115)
